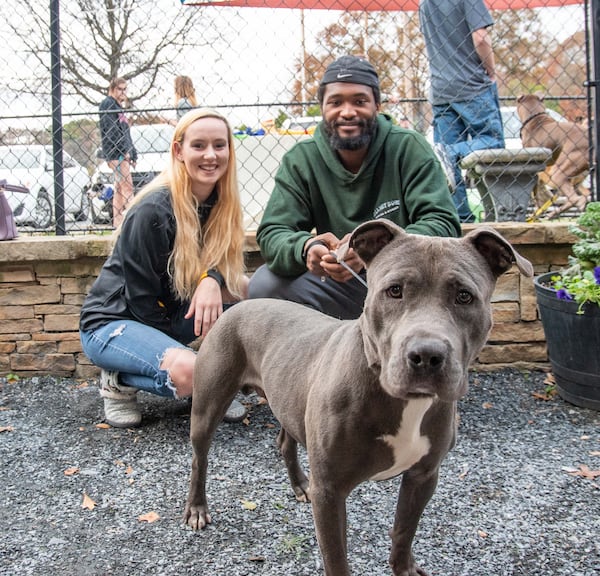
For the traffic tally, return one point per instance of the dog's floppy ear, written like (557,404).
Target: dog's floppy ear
(498,252)
(369,238)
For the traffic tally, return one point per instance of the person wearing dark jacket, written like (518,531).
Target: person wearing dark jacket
(358,166)
(177,263)
(117,147)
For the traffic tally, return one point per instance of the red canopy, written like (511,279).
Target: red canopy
(371,5)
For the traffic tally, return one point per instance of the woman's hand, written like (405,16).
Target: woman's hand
(206,306)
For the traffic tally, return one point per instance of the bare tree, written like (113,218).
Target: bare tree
(100,39)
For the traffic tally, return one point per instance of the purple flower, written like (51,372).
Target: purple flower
(597,274)
(562,294)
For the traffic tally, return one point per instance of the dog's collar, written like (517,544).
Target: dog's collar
(530,119)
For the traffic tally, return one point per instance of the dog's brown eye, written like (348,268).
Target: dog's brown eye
(464,297)
(395,291)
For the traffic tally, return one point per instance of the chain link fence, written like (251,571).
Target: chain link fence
(260,67)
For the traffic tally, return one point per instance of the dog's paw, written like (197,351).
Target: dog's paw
(302,492)
(196,517)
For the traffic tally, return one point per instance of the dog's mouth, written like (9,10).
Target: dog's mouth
(413,395)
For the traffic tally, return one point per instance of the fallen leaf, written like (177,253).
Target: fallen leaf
(88,502)
(103,425)
(249,505)
(584,472)
(269,425)
(149,517)
(3,408)
(6,429)
(584,437)
(550,379)
(463,473)
(545,396)
(256,559)
(70,471)
(482,534)
(595,453)
(487,405)
(128,470)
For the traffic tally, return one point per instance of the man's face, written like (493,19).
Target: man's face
(349,115)
(119,93)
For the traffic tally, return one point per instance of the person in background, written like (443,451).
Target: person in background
(464,93)
(177,264)
(358,166)
(117,147)
(185,96)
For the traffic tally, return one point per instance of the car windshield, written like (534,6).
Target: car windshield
(152,139)
(512,124)
(19,159)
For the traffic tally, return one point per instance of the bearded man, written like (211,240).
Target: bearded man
(358,166)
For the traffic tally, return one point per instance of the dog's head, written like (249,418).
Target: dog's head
(427,313)
(529,105)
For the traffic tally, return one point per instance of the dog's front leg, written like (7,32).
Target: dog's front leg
(203,424)
(196,513)
(416,490)
(329,513)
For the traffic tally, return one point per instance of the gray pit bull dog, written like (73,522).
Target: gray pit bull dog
(369,398)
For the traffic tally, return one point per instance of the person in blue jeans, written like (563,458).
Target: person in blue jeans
(176,265)
(464,93)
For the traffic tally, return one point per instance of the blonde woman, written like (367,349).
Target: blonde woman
(177,264)
(185,95)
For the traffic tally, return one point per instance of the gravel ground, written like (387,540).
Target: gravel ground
(506,503)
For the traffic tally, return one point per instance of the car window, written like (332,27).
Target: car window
(512,124)
(151,139)
(19,159)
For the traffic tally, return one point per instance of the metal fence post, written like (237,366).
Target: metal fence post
(57,144)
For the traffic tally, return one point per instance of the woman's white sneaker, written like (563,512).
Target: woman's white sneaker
(121,409)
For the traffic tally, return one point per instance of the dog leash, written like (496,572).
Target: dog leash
(341,261)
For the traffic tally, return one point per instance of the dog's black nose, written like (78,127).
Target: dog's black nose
(427,355)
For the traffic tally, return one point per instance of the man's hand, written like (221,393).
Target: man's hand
(322,260)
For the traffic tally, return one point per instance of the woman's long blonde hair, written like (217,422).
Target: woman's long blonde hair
(220,242)
(184,88)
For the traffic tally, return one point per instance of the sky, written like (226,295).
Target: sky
(251,61)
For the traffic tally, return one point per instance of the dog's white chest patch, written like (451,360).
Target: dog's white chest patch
(407,444)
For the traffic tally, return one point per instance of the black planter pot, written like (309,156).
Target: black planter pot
(573,345)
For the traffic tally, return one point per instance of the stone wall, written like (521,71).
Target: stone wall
(44,280)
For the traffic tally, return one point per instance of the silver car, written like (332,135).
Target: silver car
(32,166)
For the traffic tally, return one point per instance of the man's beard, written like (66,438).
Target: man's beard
(367,130)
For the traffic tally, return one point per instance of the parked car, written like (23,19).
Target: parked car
(32,167)
(152,142)
(299,126)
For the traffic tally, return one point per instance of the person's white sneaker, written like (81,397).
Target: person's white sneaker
(442,154)
(235,413)
(120,402)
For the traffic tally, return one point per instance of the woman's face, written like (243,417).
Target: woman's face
(205,153)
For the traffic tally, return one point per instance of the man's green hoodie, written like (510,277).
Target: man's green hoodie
(400,179)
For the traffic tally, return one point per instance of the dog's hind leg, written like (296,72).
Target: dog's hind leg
(289,450)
